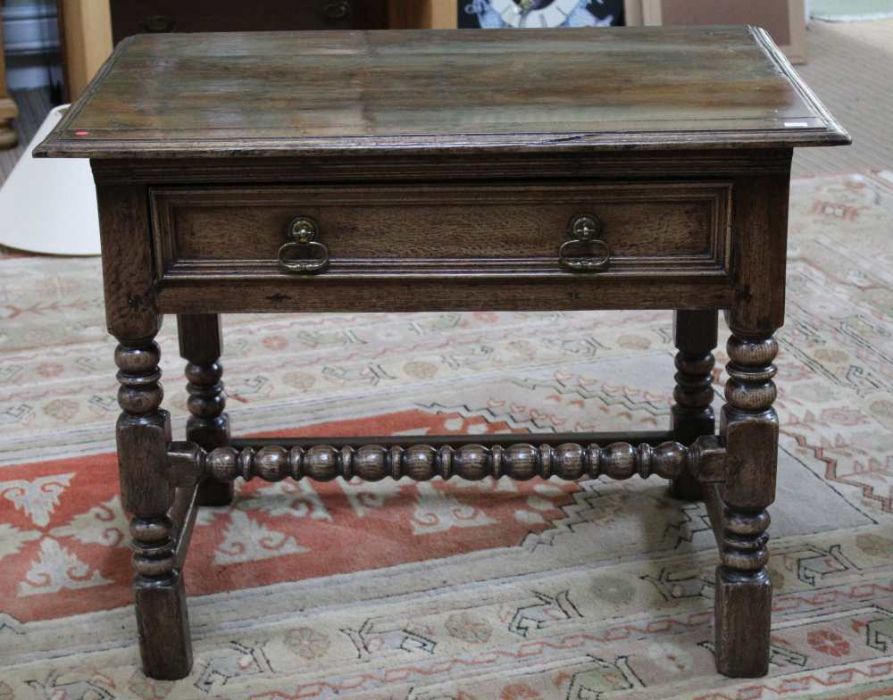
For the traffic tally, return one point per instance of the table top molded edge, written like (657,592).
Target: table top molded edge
(826,132)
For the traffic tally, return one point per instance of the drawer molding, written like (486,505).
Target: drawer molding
(226,232)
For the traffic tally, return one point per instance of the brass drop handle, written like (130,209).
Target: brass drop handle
(584,251)
(303,255)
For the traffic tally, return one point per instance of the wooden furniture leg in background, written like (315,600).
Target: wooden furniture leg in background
(201,345)
(694,334)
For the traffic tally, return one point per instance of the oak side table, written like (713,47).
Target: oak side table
(642,168)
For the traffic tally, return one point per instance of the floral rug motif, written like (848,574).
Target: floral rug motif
(457,591)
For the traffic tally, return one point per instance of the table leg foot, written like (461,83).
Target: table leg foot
(163,625)
(743,617)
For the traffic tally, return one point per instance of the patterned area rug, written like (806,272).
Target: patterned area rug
(457,591)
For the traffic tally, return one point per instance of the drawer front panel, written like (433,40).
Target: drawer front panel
(441,229)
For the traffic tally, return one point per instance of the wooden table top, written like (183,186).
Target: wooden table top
(330,93)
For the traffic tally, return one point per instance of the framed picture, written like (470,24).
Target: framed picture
(785,20)
(528,14)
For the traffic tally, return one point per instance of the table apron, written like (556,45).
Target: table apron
(330,294)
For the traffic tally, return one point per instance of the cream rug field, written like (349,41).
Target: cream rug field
(462,591)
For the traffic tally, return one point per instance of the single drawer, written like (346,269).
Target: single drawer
(443,230)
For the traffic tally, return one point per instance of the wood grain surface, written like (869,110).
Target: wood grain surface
(648,226)
(207,95)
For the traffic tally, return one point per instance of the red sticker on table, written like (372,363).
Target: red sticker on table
(81,133)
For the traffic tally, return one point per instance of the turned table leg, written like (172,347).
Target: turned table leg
(750,427)
(694,334)
(143,433)
(201,345)
(143,430)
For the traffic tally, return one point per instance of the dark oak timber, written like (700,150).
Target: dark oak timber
(378,92)
(201,344)
(518,458)
(650,437)
(694,334)
(640,168)
(749,427)
(143,433)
